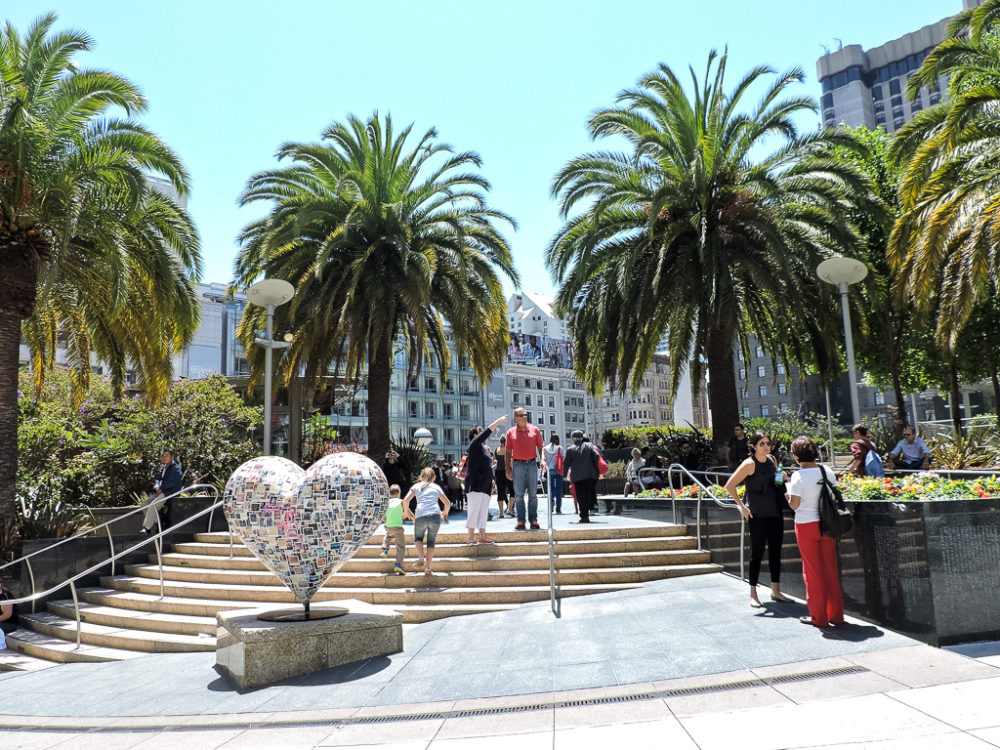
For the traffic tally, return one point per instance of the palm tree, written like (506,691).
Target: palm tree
(92,255)
(386,242)
(944,244)
(708,228)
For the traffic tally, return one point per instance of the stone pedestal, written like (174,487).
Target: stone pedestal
(254,653)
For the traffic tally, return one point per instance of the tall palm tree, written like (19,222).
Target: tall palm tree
(709,228)
(944,243)
(92,255)
(386,240)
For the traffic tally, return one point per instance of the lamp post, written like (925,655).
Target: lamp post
(842,272)
(269,294)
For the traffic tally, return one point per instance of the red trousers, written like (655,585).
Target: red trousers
(819,570)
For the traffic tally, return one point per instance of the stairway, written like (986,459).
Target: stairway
(125,616)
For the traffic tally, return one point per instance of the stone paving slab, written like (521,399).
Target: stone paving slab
(670,630)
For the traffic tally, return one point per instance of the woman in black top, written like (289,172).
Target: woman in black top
(505,488)
(479,481)
(762,506)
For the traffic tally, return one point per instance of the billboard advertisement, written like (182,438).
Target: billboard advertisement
(539,351)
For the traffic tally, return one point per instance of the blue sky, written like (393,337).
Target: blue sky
(228,82)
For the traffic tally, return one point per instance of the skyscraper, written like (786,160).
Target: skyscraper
(869,88)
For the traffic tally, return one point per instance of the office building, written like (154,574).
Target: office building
(868,88)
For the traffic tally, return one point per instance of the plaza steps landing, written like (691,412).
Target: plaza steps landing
(125,617)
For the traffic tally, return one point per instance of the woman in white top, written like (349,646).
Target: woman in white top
(632,483)
(426,517)
(819,553)
(554,455)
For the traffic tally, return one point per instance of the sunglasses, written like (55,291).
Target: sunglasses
(764,442)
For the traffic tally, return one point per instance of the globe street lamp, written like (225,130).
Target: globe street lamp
(842,272)
(422,437)
(269,294)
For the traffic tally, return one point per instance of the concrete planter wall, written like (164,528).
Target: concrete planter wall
(930,570)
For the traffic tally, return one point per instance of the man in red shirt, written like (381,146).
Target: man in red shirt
(525,453)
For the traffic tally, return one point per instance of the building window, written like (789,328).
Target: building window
(552,419)
(746,412)
(552,402)
(764,410)
(449,435)
(879,398)
(430,384)
(449,411)
(414,409)
(761,371)
(743,373)
(782,389)
(527,399)
(781,368)
(529,417)
(429,408)
(760,351)
(538,385)
(466,413)
(552,386)
(762,390)
(515,398)
(514,382)
(783,407)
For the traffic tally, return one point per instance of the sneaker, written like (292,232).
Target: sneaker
(535,526)
(144,532)
(398,570)
(384,553)
(519,527)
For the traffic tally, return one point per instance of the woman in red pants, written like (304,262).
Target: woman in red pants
(819,553)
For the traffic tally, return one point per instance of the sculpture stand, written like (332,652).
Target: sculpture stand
(254,652)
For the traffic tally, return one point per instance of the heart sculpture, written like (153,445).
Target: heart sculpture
(304,524)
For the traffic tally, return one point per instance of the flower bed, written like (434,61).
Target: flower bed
(923,487)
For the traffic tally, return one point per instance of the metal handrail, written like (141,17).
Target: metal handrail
(702,491)
(554,602)
(156,538)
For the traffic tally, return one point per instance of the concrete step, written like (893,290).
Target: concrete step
(442,577)
(205,599)
(134,619)
(12,660)
(572,547)
(594,531)
(53,625)
(450,559)
(57,649)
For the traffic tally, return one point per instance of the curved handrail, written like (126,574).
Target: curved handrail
(554,602)
(156,538)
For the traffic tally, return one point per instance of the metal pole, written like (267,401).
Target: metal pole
(267,380)
(916,422)
(829,430)
(849,338)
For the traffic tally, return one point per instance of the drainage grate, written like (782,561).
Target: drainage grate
(837,672)
(599,701)
(717,688)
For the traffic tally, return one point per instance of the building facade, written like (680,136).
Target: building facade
(868,88)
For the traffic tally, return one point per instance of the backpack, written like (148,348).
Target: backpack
(835,520)
(873,464)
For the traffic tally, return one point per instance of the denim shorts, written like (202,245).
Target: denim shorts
(427,525)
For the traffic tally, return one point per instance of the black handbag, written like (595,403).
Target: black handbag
(835,520)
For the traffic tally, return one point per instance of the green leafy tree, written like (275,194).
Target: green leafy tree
(709,228)
(92,255)
(386,240)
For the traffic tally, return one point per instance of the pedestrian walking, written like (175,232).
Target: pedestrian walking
(555,455)
(581,471)
(525,454)
(394,530)
(762,507)
(427,517)
(479,481)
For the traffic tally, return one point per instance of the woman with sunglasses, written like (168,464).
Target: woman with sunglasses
(762,506)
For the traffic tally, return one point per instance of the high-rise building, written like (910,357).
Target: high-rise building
(869,87)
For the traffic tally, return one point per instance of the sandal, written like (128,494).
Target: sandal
(486,541)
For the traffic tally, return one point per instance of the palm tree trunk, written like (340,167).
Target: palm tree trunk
(996,394)
(956,398)
(10,340)
(722,398)
(379,376)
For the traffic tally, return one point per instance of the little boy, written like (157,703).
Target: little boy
(394,530)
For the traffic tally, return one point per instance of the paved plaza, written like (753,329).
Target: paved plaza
(680,663)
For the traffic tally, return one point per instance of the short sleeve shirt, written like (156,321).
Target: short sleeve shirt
(427,499)
(912,451)
(523,445)
(805,483)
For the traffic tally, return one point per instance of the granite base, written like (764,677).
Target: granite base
(253,653)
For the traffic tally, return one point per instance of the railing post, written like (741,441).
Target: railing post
(111,541)
(31,576)
(76,611)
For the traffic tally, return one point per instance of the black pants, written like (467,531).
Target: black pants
(504,490)
(586,497)
(769,532)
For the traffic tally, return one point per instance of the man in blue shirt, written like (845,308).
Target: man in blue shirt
(169,482)
(911,452)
